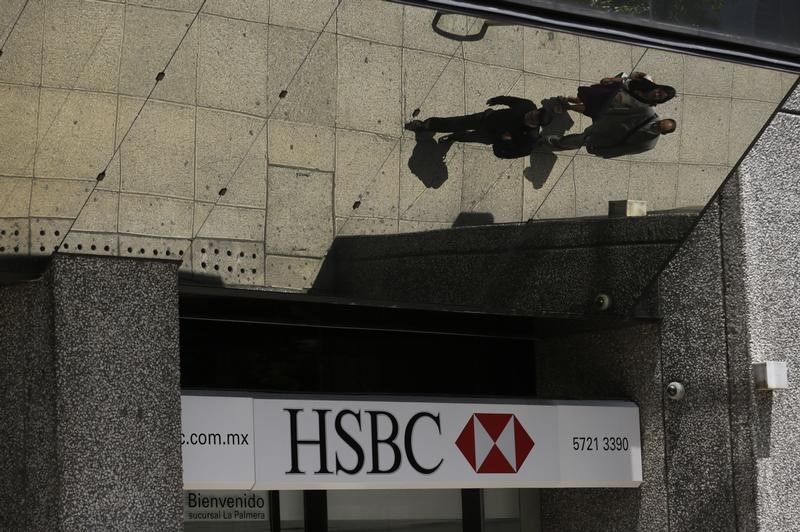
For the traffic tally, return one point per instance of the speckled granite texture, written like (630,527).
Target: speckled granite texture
(740,379)
(697,431)
(686,468)
(103,396)
(27,408)
(544,267)
(616,364)
(725,457)
(793,102)
(766,317)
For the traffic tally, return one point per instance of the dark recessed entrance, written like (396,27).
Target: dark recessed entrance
(283,345)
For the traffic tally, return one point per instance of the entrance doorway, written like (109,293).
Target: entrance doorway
(265,344)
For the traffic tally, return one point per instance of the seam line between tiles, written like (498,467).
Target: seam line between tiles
(38,116)
(141,108)
(730,120)
(265,162)
(464,112)
(185,104)
(116,115)
(16,21)
(266,121)
(334,231)
(459,46)
(402,115)
(196,109)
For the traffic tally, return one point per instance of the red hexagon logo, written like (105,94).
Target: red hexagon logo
(494,443)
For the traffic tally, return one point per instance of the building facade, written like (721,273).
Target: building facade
(254,222)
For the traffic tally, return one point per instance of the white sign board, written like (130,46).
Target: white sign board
(300,444)
(217,442)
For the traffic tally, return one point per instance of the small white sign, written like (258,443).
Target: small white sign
(225,506)
(355,444)
(597,443)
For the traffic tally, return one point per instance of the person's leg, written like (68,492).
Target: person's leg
(453,124)
(569,103)
(567,142)
(473,136)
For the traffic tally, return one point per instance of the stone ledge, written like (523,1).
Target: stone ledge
(541,268)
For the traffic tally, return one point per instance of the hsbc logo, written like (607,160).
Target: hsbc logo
(491,443)
(398,441)
(494,443)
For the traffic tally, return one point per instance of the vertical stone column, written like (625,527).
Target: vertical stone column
(94,360)
(685,456)
(697,434)
(761,257)
(28,487)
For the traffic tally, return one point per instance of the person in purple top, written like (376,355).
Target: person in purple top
(593,99)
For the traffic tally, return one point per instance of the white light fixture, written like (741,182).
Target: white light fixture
(772,375)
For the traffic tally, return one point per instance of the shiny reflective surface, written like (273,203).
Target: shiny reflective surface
(278,128)
(763,24)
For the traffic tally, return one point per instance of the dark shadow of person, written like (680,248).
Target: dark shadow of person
(561,122)
(427,161)
(542,164)
(542,160)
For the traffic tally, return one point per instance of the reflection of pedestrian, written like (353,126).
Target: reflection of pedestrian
(616,135)
(643,88)
(512,132)
(620,90)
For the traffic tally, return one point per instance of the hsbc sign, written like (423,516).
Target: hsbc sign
(273,443)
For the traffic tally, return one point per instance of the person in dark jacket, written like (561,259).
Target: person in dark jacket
(612,137)
(512,132)
(639,140)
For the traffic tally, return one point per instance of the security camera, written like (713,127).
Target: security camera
(602,302)
(676,391)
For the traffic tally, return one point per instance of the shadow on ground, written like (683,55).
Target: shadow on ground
(427,161)
(543,160)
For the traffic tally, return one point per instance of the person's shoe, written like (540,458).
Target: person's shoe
(416,125)
(552,141)
(447,139)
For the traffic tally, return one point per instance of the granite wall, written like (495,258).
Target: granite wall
(27,408)
(554,268)
(91,387)
(681,454)
(761,239)
(724,457)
